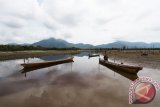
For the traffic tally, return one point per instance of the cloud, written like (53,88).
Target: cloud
(69,20)
(156,28)
(50,24)
(67,36)
(40,2)
(103,21)
(143,15)
(86,21)
(14,23)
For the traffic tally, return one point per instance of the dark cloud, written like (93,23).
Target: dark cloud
(13,24)
(104,2)
(107,20)
(40,1)
(70,20)
(67,36)
(156,29)
(104,21)
(143,15)
(119,39)
(50,26)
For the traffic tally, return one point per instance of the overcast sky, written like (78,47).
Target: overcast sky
(85,21)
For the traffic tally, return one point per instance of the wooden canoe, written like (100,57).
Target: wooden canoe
(93,55)
(47,63)
(24,70)
(127,75)
(124,68)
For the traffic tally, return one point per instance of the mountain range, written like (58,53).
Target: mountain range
(121,44)
(60,43)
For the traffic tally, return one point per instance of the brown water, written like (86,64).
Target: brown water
(83,83)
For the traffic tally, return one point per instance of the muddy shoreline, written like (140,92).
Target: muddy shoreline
(30,54)
(151,60)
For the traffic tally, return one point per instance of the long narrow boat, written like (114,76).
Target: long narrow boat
(25,70)
(47,63)
(127,75)
(93,55)
(124,68)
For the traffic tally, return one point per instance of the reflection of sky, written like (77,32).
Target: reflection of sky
(81,64)
(82,73)
(8,67)
(82,54)
(12,66)
(54,57)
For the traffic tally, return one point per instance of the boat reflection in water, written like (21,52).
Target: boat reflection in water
(35,66)
(130,76)
(93,55)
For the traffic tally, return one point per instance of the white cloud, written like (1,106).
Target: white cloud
(86,21)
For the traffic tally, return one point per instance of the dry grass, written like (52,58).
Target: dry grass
(27,54)
(135,56)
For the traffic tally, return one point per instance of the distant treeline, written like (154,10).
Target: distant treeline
(29,47)
(125,49)
(18,48)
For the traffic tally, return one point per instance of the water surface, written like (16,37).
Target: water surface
(83,83)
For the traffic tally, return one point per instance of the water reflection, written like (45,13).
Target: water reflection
(44,64)
(54,57)
(82,54)
(83,83)
(62,56)
(40,67)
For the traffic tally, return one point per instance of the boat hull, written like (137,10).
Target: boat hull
(47,63)
(93,55)
(124,68)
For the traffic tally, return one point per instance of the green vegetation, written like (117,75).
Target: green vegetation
(100,49)
(18,48)
(29,47)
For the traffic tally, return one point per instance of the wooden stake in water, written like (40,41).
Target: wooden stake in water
(114,57)
(71,66)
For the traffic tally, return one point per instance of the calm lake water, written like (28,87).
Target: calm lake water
(83,83)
